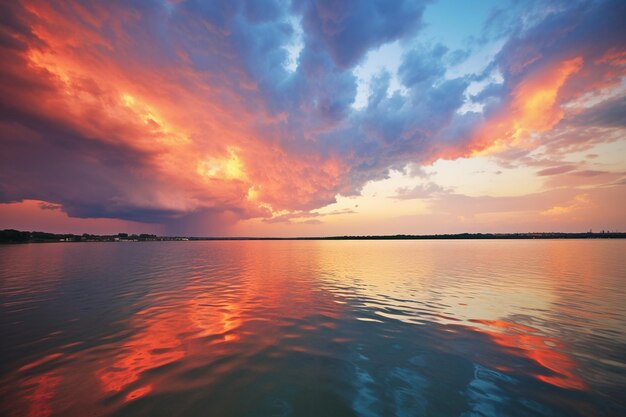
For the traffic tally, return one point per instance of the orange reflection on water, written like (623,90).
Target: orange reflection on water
(538,348)
(165,338)
(192,326)
(139,392)
(213,321)
(43,390)
(40,361)
(155,346)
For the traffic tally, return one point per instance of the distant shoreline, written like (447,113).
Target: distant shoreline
(10,236)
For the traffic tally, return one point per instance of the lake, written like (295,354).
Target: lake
(314,328)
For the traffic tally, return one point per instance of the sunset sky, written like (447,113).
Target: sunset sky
(310,118)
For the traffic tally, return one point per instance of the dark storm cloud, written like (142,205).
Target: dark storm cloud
(347,29)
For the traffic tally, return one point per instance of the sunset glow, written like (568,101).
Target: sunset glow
(293,118)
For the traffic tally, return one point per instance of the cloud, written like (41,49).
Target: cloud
(47,206)
(608,113)
(347,29)
(532,204)
(558,60)
(578,202)
(590,173)
(583,178)
(556,170)
(419,191)
(186,113)
(305,217)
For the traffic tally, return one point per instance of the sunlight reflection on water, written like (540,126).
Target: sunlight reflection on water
(314,328)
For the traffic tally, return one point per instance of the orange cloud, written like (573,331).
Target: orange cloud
(199,140)
(534,108)
(580,201)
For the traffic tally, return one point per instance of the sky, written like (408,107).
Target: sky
(312,118)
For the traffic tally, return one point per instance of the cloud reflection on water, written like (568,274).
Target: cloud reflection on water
(334,328)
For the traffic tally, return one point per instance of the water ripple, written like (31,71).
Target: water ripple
(442,328)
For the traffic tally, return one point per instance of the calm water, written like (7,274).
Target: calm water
(314,328)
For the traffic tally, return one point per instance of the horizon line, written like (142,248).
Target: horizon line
(123,236)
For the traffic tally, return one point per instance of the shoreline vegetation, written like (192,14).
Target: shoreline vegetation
(11,236)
